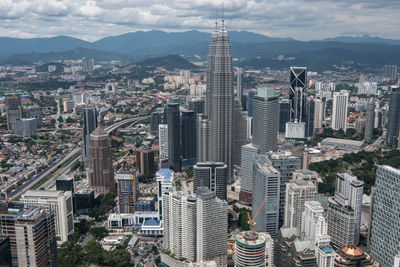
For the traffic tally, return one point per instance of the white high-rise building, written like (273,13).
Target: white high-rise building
(339,113)
(165,181)
(60,202)
(319,113)
(195,227)
(297,193)
(344,211)
(367,88)
(163,140)
(315,228)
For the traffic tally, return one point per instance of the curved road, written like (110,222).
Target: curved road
(19,191)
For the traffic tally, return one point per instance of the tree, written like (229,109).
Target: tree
(117,258)
(69,254)
(99,232)
(60,119)
(94,253)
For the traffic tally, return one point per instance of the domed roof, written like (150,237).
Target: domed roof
(352,250)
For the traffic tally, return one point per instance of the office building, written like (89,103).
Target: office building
(297,193)
(195,227)
(5,252)
(393,125)
(307,175)
(58,201)
(35,113)
(360,125)
(319,114)
(165,181)
(339,110)
(286,163)
(84,201)
(239,132)
(163,140)
(68,105)
(145,160)
(389,73)
(89,125)
(32,235)
(156,118)
(295,130)
(26,127)
(290,250)
(64,183)
(250,249)
(239,88)
(128,191)
(188,135)
(298,93)
(266,182)
(250,98)
(13,110)
(315,228)
(246,172)
(266,120)
(369,121)
(212,175)
(309,118)
(219,99)
(344,210)
(174,136)
(397,260)
(100,171)
(367,88)
(197,105)
(202,142)
(352,255)
(385,231)
(284,113)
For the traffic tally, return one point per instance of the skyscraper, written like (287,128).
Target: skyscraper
(165,181)
(315,228)
(202,142)
(385,231)
(339,110)
(393,125)
(58,201)
(284,113)
(239,132)
(297,193)
(156,118)
(266,182)
(188,134)
(32,235)
(344,210)
(246,172)
(239,89)
(145,160)
(250,249)
(219,98)
(89,125)
(13,110)
(286,163)
(174,136)
(35,113)
(266,120)
(197,105)
(128,191)
(319,114)
(212,175)
(25,127)
(100,171)
(310,113)
(298,93)
(163,140)
(195,227)
(369,121)
(389,73)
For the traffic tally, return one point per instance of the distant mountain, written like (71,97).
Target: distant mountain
(362,39)
(76,53)
(249,48)
(169,62)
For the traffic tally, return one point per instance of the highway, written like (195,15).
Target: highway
(37,178)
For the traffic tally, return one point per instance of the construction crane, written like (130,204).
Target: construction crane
(251,221)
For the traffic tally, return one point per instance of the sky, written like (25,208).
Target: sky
(300,19)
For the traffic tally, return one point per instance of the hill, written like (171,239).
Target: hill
(169,62)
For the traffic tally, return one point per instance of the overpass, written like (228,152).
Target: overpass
(15,194)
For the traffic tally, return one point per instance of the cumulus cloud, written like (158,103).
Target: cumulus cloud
(300,19)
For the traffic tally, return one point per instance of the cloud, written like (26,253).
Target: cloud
(300,19)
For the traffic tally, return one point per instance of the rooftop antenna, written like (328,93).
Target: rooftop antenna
(223,15)
(216,17)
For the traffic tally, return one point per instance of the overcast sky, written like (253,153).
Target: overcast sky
(300,19)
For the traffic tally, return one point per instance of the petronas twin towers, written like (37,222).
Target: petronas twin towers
(215,128)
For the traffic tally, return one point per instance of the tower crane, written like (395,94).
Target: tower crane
(251,221)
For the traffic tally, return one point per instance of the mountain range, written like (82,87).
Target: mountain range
(250,49)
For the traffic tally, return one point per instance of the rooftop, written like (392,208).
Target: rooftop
(165,174)
(43,193)
(343,141)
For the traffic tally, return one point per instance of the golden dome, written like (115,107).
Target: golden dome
(352,250)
